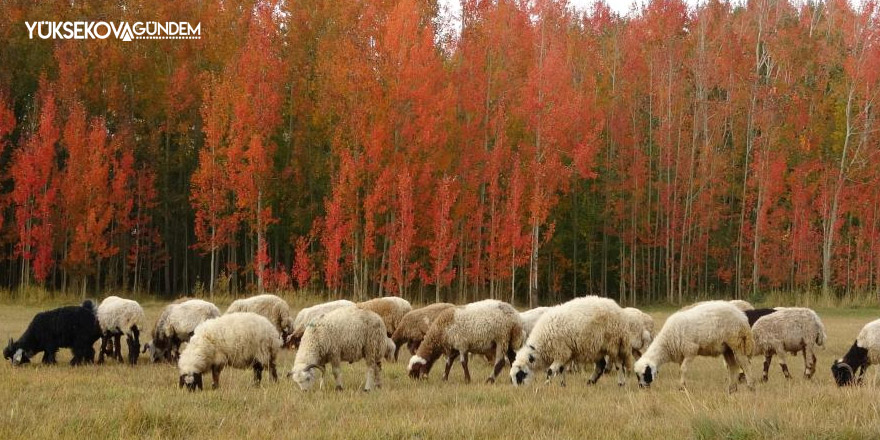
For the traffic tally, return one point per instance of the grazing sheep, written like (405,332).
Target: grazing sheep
(711,328)
(390,308)
(412,327)
(490,328)
(530,318)
(789,329)
(238,340)
(347,334)
(118,316)
(755,314)
(864,352)
(74,327)
(307,314)
(176,325)
(270,306)
(582,330)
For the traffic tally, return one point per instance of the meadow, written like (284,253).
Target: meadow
(120,401)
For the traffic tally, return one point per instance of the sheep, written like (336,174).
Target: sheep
(789,329)
(238,340)
(530,318)
(347,334)
(390,308)
(711,328)
(412,327)
(307,314)
(74,327)
(581,330)
(864,352)
(272,307)
(491,328)
(118,316)
(176,325)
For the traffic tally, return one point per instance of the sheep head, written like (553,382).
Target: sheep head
(843,373)
(418,367)
(522,367)
(192,381)
(646,371)
(306,377)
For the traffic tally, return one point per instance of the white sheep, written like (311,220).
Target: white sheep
(412,327)
(530,318)
(864,352)
(789,329)
(307,314)
(118,316)
(583,330)
(390,308)
(738,303)
(238,340)
(711,328)
(272,307)
(491,328)
(176,325)
(347,334)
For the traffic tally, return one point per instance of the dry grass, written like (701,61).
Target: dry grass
(118,401)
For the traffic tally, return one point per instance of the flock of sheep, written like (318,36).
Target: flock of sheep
(547,340)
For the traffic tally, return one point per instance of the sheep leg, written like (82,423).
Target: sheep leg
(783,362)
(117,346)
(49,355)
(413,347)
(134,344)
(682,385)
(377,375)
(598,371)
(273,370)
(104,340)
(215,376)
(449,360)
(258,373)
(337,375)
(768,360)
(809,365)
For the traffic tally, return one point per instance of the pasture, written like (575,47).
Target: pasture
(119,401)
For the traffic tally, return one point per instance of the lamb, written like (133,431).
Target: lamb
(530,318)
(491,328)
(390,308)
(711,328)
(176,325)
(307,314)
(412,327)
(582,330)
(238,340)
(347,334)
(789,329)
(864,352)
(272,307)
(118,316)
(74,327)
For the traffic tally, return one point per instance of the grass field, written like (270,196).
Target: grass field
(118,401)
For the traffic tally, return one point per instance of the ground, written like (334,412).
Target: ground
(119,401)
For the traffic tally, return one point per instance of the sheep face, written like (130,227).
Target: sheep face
(418,367)
(306,377)
(844,369)
(192,381)
(16,355)
(646,371)
(521,370)
(159,350)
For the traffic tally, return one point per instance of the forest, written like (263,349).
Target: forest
(524,150)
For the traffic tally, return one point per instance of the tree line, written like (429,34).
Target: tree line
(526,150)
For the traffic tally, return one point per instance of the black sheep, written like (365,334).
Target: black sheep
(754,315)
(74,327)
(854,361)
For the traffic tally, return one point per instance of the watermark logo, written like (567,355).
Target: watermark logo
(125,31)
